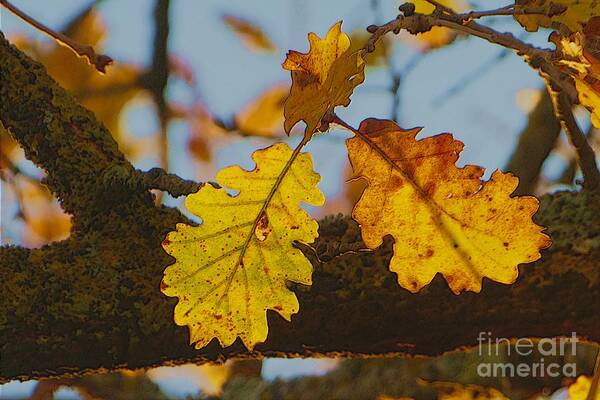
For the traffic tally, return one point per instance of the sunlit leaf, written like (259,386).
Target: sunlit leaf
(580,389)
(235,266)
(322,79)
(443,219)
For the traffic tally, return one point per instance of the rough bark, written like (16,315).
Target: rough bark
(92,302)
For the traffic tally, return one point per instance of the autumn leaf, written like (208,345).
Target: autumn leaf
(264,115)
(322,79)
(574,15)
(580,389)
(578,55)
(443,218)
(234,267)
(252,36)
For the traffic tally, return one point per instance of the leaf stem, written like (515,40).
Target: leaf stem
(270,195)
(99,61)
(508,10)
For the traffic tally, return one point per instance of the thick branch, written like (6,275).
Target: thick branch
(93,301)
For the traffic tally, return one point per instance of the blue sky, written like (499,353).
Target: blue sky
(484,114)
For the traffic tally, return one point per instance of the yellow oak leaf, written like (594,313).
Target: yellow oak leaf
(574,17)
(234,267)
(264,116)
(253,37)
(443,219)
(580,389)
(322,79)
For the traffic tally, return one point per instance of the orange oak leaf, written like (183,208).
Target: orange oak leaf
(322,79)
(443,219)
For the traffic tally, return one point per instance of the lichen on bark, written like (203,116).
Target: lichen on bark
(92,302)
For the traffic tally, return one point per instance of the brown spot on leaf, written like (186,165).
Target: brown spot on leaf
(262,229)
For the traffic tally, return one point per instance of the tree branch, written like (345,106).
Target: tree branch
(99,61)
(584,153)
(93,302)
(536,142)
(157,77)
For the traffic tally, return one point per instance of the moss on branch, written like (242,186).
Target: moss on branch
(92,302)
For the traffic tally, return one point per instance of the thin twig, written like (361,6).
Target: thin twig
(539,59)
(158,178)
(99,61)
(508,10)
(157,77)
(440,6)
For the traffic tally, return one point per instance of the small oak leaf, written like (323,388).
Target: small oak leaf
(234,267)
(557,14)
(443,219)
(322,79)
(253,37)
